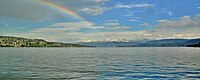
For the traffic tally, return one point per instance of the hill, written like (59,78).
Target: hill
(194,45)
(165,43)
(192,41)
(8,41)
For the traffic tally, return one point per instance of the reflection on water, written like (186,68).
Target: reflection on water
(99,63)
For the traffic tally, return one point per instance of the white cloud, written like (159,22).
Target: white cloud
(112,20)
(170,13)
(129,15)
(90,7)
(118,28)
(67,26)
(94,10)
(146,24)
(111,24)
(133,20)
(185,27)
(184,21)
(143,5)
(101,0)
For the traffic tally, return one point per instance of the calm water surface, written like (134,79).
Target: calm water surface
(99,63)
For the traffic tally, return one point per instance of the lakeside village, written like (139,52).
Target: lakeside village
(24,42)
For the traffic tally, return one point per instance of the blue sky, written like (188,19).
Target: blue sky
(107,20)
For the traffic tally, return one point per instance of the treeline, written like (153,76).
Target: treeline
(7,41)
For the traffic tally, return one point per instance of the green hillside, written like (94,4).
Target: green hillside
(7,41)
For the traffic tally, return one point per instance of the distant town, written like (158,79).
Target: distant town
(7,41)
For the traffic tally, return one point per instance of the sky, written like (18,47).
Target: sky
(100,20)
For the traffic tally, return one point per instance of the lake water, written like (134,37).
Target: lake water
(99,63)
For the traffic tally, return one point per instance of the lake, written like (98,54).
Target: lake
(99,63)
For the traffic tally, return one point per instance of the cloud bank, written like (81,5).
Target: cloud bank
(184,27)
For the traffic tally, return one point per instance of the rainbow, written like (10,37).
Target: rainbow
(4,24)
(61,8)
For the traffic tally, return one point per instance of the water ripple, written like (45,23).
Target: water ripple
(99,64)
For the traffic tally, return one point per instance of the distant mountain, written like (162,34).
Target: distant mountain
(108,44)
(146,43)
(193,41)
(8,41)
(165,43)
(113,43)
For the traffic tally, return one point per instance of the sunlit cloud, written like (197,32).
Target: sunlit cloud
(94,10)
(112,20)
(184,21)
(67,26)
(146,24)
(143,5)
(111,24)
